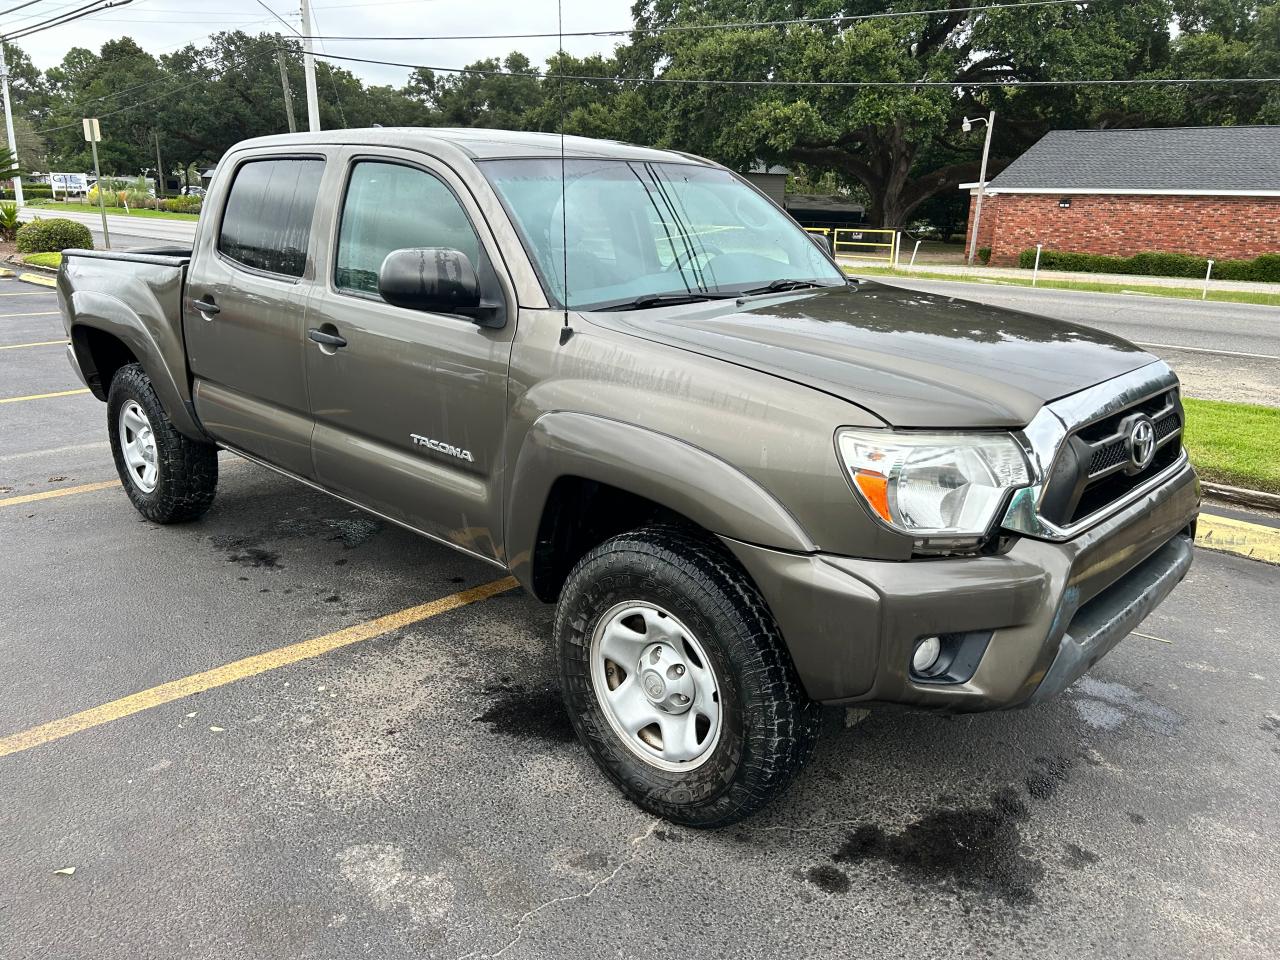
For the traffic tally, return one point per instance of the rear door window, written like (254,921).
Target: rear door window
(267,221)
(390,206)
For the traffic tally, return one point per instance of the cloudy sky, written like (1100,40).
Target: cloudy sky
(160,26)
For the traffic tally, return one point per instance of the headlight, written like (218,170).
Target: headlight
(933,485)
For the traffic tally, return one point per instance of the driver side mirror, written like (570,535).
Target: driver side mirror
(431,279)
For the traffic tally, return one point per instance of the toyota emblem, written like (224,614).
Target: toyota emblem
(1142,443)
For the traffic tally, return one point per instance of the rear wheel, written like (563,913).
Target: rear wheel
(169,477)
(677,679)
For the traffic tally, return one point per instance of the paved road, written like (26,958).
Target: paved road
(1198,339)
(154,230)
(420,795)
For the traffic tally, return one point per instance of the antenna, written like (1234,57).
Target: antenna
(566,331)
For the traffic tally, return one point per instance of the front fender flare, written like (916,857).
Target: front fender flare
(680,476)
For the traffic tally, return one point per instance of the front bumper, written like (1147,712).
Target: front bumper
(1052,609)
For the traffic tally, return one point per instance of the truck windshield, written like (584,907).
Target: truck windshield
(640,234)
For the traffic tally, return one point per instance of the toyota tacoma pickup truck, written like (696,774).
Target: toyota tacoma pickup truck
(751,485)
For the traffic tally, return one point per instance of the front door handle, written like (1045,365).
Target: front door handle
(206,306)
(326,339)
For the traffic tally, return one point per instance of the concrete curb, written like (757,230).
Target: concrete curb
(1238,495)
(1229,535)
(42,280)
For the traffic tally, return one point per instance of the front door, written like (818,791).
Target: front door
(244,310)
(409,407)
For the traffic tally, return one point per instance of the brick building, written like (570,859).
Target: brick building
(1209,191)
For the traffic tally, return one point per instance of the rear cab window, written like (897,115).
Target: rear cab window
(266,224)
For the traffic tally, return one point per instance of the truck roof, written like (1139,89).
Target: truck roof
(479,143)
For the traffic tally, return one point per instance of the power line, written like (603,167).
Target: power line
(278,17)
(58,21)
(832,21)
(21,6)
(853,84)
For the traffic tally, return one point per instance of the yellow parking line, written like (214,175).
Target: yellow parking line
(38,343)
(44,396)
(248,667)
(43,313)
(61,492)
(1238,536)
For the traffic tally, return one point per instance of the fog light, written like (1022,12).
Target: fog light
(926,655)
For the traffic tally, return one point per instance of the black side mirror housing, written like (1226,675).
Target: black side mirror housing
(431,279)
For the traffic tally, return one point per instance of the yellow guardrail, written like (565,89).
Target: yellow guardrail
(866,244)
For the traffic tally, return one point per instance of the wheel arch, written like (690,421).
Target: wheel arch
(106,333)
(580,479)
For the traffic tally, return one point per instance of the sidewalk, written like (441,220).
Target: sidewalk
(998,273)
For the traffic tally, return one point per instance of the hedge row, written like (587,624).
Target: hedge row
(1265,268)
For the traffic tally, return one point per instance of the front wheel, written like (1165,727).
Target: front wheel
(169,477)
(677,679)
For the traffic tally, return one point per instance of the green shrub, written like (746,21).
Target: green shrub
(984,255)
(1265,268)
(9,222)
(53,236)
(184,203)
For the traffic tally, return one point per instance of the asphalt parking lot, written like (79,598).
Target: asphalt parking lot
(410,787)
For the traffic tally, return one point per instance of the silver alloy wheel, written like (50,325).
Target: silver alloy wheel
(138,444)
(656,686)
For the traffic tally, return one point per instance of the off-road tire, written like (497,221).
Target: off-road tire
(768,724)
(188,469)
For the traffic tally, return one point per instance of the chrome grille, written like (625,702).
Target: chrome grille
(1082,452)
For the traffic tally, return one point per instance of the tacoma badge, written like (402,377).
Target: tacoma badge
(440,447)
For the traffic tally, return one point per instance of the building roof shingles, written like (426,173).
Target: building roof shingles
(1203,159)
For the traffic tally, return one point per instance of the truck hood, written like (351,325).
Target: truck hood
(912,359)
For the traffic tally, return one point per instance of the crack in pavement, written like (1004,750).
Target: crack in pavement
(585,895)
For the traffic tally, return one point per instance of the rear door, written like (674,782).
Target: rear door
(410,412)
(244,310)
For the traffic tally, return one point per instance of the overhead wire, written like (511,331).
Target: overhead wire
(834,21)
(80,12)
(852,84)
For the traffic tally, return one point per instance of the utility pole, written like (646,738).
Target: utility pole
(8,125)
(966,126)
(288,91)
(309,69)
(159,166)
(93,133)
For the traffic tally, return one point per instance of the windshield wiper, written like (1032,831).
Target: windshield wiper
(781,284)
(645,301)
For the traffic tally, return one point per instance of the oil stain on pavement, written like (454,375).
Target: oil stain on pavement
(975,850)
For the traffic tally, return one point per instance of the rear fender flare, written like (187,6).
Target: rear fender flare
(156,355)
(677,475)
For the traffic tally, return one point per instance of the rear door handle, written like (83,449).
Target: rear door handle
(326,339)
(206,306)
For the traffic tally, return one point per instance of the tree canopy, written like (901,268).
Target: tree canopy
(900,147)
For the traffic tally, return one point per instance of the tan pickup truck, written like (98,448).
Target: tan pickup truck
(751,484)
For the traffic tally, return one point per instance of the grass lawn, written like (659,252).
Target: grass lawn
(51,209)
(1181,293)
(51,260)
(1234,443)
